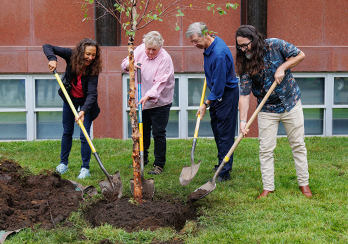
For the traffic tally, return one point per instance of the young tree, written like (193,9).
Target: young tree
(134,15)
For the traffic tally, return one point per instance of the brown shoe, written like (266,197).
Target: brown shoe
(306,191)
(264,193)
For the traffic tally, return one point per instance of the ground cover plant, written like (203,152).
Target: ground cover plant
(229,214)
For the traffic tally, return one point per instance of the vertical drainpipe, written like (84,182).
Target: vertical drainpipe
(254,12)
(107,28)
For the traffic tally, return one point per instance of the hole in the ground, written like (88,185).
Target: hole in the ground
(149,215)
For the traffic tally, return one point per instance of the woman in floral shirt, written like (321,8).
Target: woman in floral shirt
(259,63)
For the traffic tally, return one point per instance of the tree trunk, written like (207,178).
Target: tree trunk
(137,193)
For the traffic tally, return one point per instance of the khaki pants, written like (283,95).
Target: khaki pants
(293,122)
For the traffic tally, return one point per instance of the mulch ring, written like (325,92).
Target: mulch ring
(46,199)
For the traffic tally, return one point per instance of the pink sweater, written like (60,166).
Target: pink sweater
(157,76)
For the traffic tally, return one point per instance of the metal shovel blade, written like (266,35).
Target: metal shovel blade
(188,173)
(112,187)
(147,188)
(202,191)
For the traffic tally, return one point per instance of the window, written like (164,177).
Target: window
(340,106)
(182,119)
(324,99)
(30,108)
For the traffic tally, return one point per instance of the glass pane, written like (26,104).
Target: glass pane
(204,126)
(49,126)
(176,93)
(195,87)
(172,127)
(12,93)
(13,126)
(46,94)
(312,90)
(313,122)
(341,90)
(340,121)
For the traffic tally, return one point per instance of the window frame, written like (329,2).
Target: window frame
(30,106)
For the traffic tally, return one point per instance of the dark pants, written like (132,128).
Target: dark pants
(68,126)
(156,119)
(223,122)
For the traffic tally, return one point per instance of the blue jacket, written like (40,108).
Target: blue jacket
(219,69)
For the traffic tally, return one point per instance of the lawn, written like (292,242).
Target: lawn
(229,214)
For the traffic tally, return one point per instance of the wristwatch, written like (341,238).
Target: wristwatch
(206,104)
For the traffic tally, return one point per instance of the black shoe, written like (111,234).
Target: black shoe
(221,179)
(156,171)
(224,178)
(215,168)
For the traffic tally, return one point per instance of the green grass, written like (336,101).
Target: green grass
(229,214)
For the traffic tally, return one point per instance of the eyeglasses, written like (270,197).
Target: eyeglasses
(245,46)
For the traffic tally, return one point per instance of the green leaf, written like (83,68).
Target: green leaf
(208,8)
(177,28)
(180,13)
(160,19)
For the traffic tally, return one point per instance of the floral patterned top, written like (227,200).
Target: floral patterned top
(287,93)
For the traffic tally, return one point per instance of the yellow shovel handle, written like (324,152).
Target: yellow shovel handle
(200,104)
(74,111)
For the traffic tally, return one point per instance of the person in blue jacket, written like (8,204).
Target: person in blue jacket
(83,65)
(224,92)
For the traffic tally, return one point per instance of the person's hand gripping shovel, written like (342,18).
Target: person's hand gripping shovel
(189,172)
(111,187)
(148,186)
(210,186)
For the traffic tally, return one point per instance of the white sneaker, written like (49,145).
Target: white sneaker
(62,168)
(84,173)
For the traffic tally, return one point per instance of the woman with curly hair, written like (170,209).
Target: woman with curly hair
(84,63)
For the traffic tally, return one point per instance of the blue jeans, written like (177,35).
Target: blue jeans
(68,126)
(223,116)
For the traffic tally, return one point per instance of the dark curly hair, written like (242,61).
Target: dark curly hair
(255,64)
(78,59)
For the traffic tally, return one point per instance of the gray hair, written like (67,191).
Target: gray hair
(153,39)
(196,28)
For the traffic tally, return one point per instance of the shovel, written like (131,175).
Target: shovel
(188,172)
(210,186)
(147,186)
(111,187)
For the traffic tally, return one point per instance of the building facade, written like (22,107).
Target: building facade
(30,108)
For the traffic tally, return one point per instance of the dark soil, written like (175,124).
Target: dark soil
(197,194)
(149,215)
(27,200)
(47,199)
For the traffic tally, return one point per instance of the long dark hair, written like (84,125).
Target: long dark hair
(78,59)
(255,64)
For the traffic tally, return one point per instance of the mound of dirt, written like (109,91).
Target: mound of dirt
(26,199)
(149,215)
